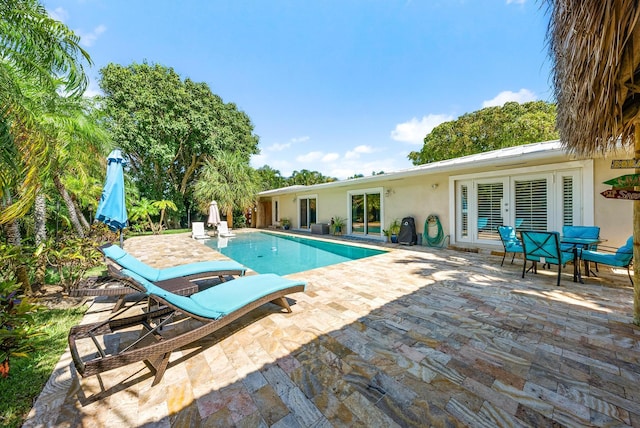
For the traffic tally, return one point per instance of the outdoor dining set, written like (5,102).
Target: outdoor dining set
(576,244)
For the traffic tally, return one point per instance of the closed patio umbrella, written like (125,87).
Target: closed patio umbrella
(112,209)
(214,214)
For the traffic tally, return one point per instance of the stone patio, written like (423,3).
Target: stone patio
(414,337)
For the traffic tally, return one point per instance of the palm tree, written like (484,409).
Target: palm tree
(37,55)
(228,179)
(595,48)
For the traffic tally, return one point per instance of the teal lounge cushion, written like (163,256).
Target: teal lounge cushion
(127,261)
(199,267)
(224,298)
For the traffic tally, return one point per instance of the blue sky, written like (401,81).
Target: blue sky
(336,86)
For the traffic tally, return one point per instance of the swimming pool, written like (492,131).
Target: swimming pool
(285,254)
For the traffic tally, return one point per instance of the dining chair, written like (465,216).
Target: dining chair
(588,232)
(620,257)
(510,242)
(543,247)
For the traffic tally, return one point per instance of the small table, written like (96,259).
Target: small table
(578,243)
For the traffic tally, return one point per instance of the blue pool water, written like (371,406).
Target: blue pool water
(281,254)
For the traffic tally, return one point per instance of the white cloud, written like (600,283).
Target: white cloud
(357,151)
(516,1)
(59,14)
(330,157)
(310,157)
(88,39)
(277,147)
(415,130)
(522,96)
(300,139)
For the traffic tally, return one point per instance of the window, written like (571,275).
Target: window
(567,201)
(490,197)
(531,204)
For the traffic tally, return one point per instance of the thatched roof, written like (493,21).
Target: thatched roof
(596,50)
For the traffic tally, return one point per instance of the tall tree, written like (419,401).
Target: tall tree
(307,178)
(229,180)
(489,129)
(37,55)
(168,127)
(270,178)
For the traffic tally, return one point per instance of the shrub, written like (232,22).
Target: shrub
(16,324)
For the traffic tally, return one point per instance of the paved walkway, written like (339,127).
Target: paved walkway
(413,337)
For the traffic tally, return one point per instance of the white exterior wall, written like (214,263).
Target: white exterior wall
(421,193)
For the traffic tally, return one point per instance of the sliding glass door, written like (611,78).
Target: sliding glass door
(307,213)
(366,213)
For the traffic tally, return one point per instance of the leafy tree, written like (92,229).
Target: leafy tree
(229,180)
(144,209)
(307,178)
(269,178)
(169,127)
(488,129)
(37,55)
(355,176)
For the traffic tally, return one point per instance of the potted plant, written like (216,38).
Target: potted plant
(286,223)
(338,223)
(394,229)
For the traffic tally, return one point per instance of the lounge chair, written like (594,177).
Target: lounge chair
(118,259)
(197,230)
(223,230)
(215,307)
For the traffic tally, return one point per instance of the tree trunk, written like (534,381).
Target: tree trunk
(81,217)
(73,217)
(230,218)
(14,238)
(40,220)
(636,238)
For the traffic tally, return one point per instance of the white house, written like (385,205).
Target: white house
(534,186)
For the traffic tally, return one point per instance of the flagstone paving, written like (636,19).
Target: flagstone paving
(413,337)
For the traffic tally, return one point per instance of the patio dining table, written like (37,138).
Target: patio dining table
(576,244)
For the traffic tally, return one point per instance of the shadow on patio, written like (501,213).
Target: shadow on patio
(413,337)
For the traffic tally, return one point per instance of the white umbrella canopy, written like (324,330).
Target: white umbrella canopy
(214,214)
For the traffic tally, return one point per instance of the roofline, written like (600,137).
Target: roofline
(500,157)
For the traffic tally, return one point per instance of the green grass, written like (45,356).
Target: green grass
(131,234)
(28,376)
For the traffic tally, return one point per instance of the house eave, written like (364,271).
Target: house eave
(497,159)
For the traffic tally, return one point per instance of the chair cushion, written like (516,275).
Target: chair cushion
(127,261)
(513,247)
(224,298)
(621,258)
(199,267)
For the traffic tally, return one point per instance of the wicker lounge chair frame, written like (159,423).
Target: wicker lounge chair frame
(156,355)
(114,285)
